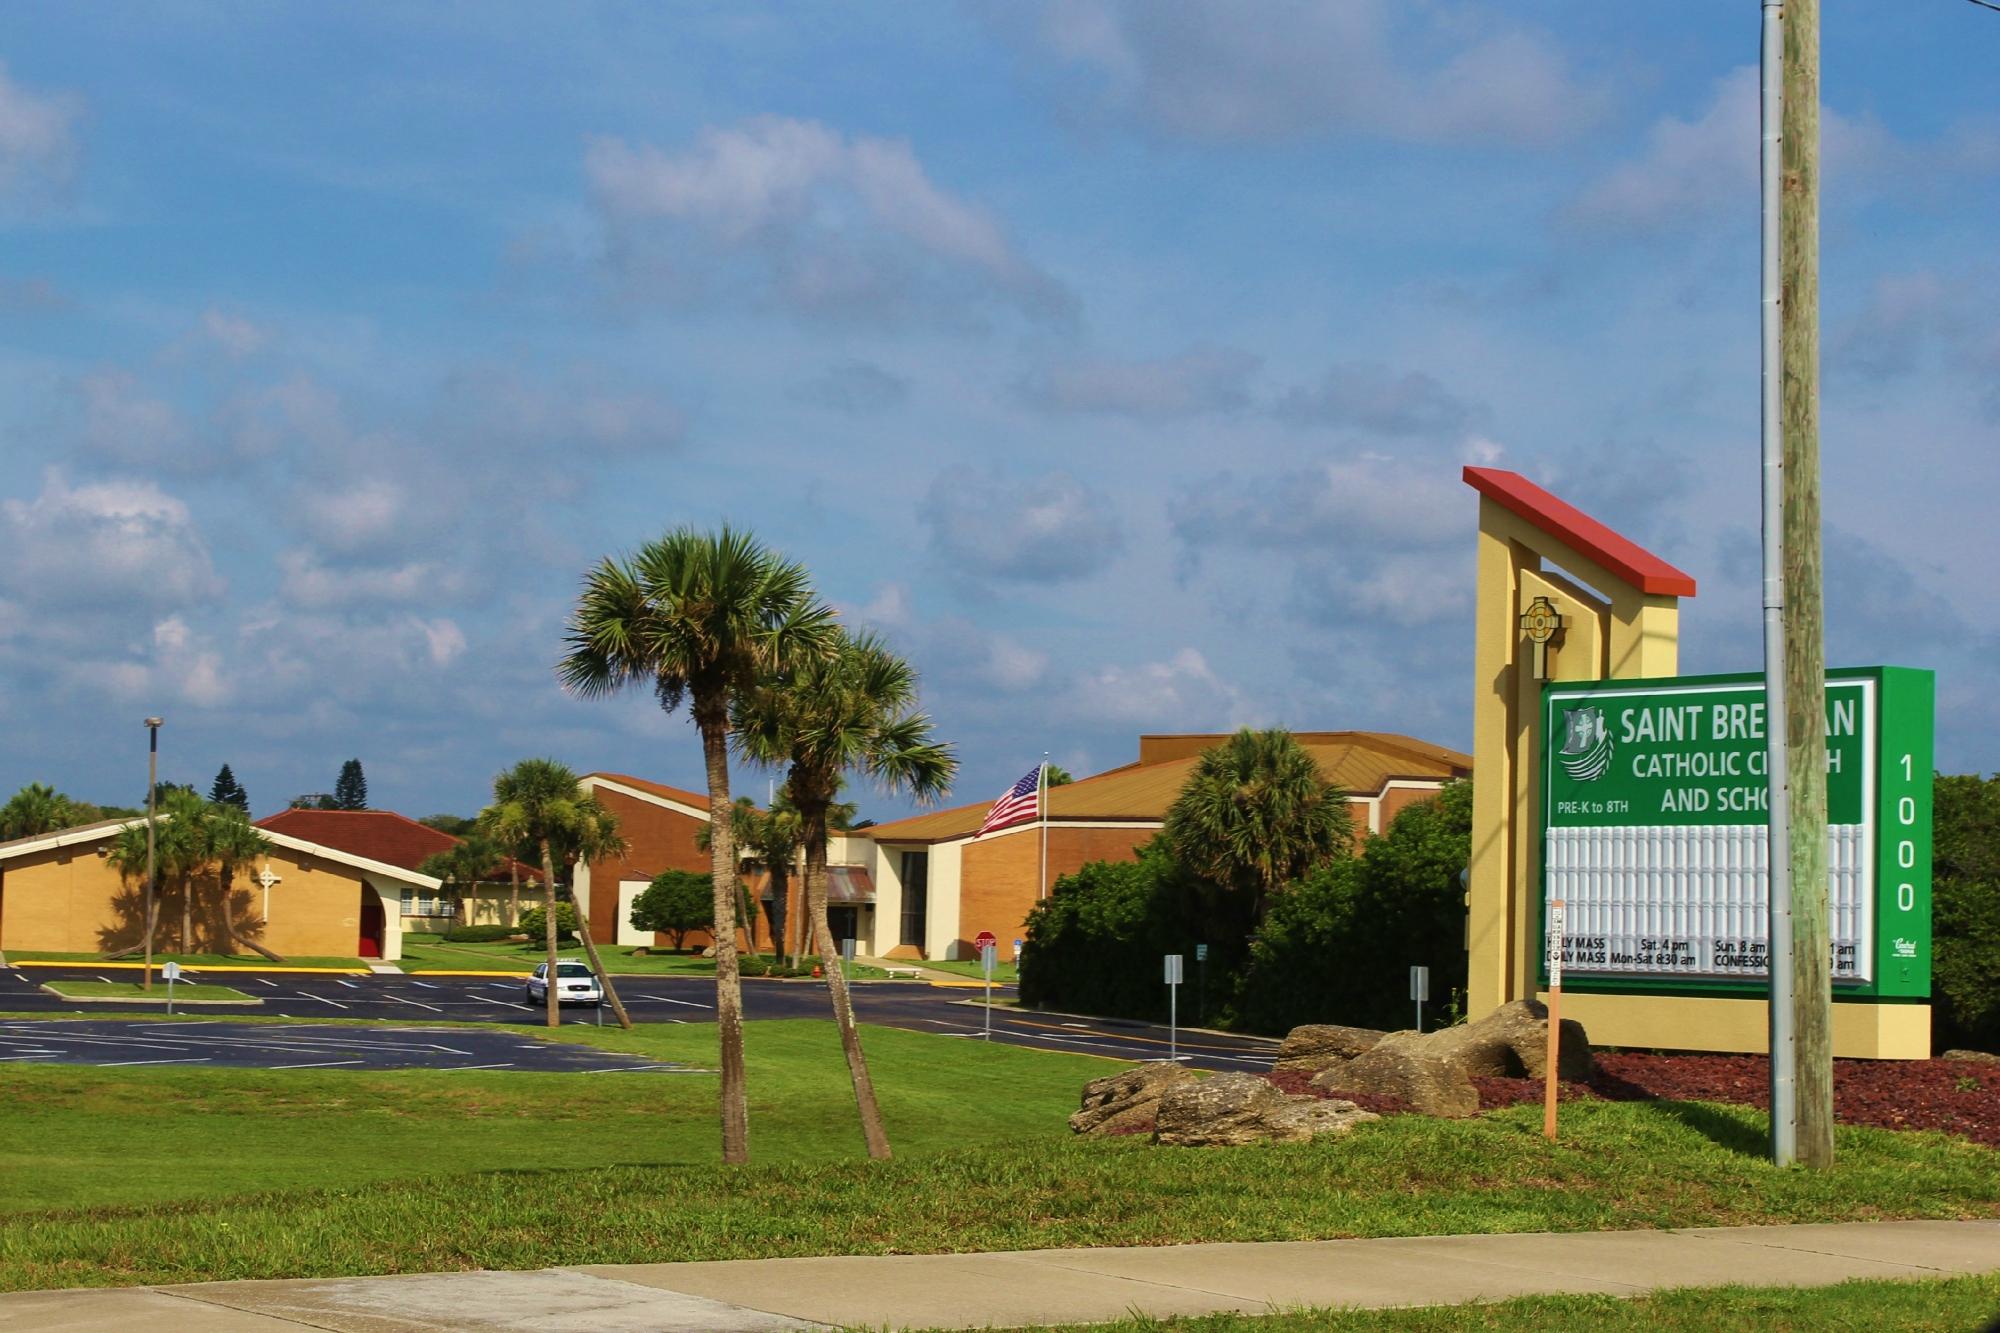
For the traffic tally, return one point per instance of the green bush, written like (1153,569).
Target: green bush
(1095,944)
(1965,911)
(676,902)
(1337,947)
(534,925)
(481,934)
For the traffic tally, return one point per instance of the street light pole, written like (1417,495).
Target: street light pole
(152,805)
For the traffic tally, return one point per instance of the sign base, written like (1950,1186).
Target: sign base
(1862,1029)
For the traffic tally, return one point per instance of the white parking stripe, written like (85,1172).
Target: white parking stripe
(323,1064)
(503,1065)
(420,1004)
(351,985)
(668,999)
(425,984)
(50,1055)
(322,999)
(120,1064)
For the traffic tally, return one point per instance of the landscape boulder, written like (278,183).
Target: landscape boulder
(1318,1046)
(1433,1071)
(1231,1109)
(1128,1101)
(1974,1057)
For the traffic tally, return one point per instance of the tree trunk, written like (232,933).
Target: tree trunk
(549,930)
(187,915)
(514,894)
(1805,649)
(227,877)
(735,1102)
(780,917)
(597,966)
(872,1132)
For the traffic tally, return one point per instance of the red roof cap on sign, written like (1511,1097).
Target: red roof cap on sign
(1570,525)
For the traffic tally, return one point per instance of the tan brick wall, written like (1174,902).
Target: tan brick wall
(1398,799)
(1001,877)
(71,900)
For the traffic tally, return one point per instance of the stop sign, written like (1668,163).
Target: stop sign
(986,939)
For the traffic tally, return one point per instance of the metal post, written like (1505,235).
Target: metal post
(1173,1023)
(1784,1104)
(152,799)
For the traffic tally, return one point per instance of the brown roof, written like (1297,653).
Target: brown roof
(1362,762)
(379,835)
(699,800)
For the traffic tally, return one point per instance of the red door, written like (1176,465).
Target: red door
(371,925)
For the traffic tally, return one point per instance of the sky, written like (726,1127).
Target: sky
(1116,361)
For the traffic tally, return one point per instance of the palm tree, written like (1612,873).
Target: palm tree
(233,841)
(184,853)
(1256,814)
(539,801)
(39,808)
(852,711)
(772,836)
(463,867)
(701,617)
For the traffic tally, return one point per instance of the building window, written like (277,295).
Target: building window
(413,905)
(916,896)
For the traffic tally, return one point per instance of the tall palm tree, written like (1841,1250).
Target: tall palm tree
(700,617)
(1256,814)
(233,841)
(852,711)
(539,801)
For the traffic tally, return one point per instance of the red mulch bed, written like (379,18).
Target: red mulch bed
(1956,1096)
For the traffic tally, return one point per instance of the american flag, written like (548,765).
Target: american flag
(1021,803)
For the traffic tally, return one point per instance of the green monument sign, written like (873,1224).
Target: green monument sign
(1654,817)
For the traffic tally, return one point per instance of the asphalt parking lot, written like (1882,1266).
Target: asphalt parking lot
(416,1000)
(127,1043)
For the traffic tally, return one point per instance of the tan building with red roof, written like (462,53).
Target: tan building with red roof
(661,826)
(935,883)
(384,837)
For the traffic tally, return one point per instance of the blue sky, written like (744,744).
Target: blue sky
(1117,361)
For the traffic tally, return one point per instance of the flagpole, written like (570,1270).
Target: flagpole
(1042,799)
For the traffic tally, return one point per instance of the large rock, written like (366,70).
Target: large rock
(1973,1057)
(1432,1071)
(1231,1109)
(1126,1102)
(1318,1046)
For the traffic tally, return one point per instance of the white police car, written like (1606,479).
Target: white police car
(575,984)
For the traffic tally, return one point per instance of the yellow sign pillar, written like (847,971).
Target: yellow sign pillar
(1619,611)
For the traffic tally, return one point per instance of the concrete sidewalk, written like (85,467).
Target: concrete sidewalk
(1034,1286)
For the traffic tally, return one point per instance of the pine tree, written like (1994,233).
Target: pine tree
(350,791)
(226,790)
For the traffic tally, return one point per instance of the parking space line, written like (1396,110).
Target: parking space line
(323,1064)
(38,1055)
(505,1064)
(420,1004)
(322,999)
(120,1064)
(668,999)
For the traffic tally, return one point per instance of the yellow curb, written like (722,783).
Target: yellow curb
(442,972)
(962,985)
(205,967)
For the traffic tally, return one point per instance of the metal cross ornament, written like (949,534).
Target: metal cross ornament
(267,877)
(1543,624)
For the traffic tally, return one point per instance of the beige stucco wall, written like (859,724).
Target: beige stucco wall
(71,900)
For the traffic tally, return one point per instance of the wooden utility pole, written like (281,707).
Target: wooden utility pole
(1805,648)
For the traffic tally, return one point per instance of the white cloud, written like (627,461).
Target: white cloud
(1694,166)
(310,583)
(121,421)
(843,224)
(1046,528)
(1427,73)
(356,517)
(235,335)
(110,543)
(1181,693)
(191,668)
(1375,398)
(37,139)
(1203,379)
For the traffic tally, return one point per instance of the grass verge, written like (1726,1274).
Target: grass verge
(1850,1307)
(150,1175)
(184,991)
(1004,974)
(422,954)
(202,961)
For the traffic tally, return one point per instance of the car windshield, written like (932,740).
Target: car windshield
(572,970)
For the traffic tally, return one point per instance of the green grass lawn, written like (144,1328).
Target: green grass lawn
(1004,974)
(173,1174)
(1952,1304)
(132,990)
(428,954)
(196,960)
